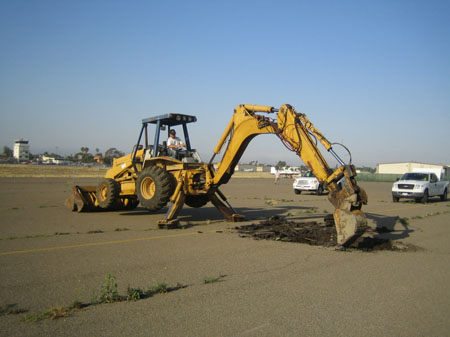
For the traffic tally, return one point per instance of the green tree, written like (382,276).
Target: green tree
(280,165)
(110,154)
(7,151)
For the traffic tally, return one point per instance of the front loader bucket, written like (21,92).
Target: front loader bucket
(83,199)
(349,225)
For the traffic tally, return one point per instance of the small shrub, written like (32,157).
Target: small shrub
(134,294)
(109,292)
(160,288)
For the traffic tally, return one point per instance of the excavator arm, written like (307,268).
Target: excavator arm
(298,134)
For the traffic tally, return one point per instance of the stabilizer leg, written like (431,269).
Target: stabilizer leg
(226,209)
(171,221)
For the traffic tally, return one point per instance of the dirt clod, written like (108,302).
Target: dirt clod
(313,233)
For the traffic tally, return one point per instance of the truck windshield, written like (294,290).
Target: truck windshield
(308,174)
(415,176)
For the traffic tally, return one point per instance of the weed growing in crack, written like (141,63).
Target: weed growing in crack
(160,288)
(109,292)
(134,294)
(10,309)
(94,297)
(95,231)
(50,314)
(208,279)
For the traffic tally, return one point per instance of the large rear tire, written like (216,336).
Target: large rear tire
(153,188)
(107,193)
(196,201)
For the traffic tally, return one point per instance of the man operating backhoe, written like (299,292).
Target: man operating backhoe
(174,142)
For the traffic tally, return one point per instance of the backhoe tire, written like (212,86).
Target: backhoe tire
(153,188)
(196,201)
(108,193)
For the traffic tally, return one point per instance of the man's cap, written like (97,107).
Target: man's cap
(172,132)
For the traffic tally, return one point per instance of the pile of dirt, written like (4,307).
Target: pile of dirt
(313,233)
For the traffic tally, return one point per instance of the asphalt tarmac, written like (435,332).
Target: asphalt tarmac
(50,258)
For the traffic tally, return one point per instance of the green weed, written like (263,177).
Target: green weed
(160,288)
(95,231)
(109,292)
(403,221)
(134,294)
(50,314)
(208,279)
(10,309)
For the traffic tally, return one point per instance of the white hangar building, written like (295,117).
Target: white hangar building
(401,168)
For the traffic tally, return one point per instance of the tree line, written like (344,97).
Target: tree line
(84,156)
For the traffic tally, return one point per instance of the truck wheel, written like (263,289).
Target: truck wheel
(444,195)
(319,190)
(395,199)
(297,192)
(153,188)
(196,201)
(107,193)
(424,199)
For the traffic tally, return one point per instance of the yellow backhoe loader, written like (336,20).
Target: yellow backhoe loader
(153,175)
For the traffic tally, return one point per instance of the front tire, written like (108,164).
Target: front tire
(444,195)
(297,192)
(424,199)
(319,190)
(153,188)
(395,199)
(107,193)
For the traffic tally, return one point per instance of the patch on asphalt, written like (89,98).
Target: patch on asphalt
(313,233)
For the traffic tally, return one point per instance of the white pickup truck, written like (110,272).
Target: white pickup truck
(308,182)
(419,186)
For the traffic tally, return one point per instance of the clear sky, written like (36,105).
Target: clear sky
(374,75)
